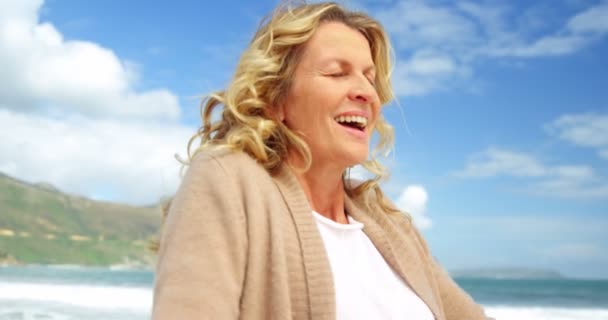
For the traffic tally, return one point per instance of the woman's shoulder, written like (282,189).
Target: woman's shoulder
(224,157)
(233,167)
(231,163)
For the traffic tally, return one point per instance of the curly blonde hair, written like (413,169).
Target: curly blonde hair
(262,80)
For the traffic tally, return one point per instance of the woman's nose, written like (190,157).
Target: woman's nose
(362,91)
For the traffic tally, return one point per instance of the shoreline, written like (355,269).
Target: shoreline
(116,267)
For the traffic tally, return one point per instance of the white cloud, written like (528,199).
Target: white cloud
(42,71)
(123,161)
(594,20)
(413,200)
(573,172)
(425,72)
(578,32)
(435,39)
(418,24)
(565,180)
(488,19)
(575,34)
(71,116)
(496,161)
(573,181)
(546,46)
(587,130)
(460,34)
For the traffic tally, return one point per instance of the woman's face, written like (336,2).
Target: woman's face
(332,101)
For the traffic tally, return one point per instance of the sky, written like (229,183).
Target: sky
(501,116)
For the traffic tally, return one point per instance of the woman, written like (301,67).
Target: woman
(266,224)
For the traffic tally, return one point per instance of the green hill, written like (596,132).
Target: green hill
(40,224)
(507,273)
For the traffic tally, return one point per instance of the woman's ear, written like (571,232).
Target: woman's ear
(280,112)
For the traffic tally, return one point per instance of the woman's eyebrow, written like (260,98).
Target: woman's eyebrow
(343,62)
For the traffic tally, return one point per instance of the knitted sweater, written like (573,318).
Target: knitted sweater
(239,243)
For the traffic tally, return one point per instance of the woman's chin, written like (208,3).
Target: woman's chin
(355,159)
(342,157)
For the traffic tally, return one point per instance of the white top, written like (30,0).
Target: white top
(366,287)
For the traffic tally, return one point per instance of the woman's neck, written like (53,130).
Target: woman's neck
(324,190)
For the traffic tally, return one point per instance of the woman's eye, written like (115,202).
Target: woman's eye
(338,74)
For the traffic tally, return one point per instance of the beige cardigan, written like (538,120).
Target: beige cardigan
(240,244)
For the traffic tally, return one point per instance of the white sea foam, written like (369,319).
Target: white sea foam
(31,314)
(59,266)
(94,297)
(545,313)
(139,300)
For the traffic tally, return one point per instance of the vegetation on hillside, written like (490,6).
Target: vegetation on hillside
(40,224)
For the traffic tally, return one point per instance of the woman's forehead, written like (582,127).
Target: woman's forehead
(336,42)
(337,34)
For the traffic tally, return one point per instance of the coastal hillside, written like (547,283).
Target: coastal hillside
(506,273)
(40,224)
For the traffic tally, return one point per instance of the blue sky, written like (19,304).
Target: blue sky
(501,148)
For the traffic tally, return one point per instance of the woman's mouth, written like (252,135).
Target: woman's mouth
(353,122)
(354,125)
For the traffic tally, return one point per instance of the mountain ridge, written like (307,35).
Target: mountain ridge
(506,273)
(41,224)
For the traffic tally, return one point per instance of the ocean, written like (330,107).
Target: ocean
(74,293)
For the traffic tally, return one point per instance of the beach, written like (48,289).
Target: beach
(74,293)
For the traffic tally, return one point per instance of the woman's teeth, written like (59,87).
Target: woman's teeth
(357,121)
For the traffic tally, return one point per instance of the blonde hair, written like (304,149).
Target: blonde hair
(262,79)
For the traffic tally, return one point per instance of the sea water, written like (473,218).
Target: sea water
(73,292)
(540,299)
